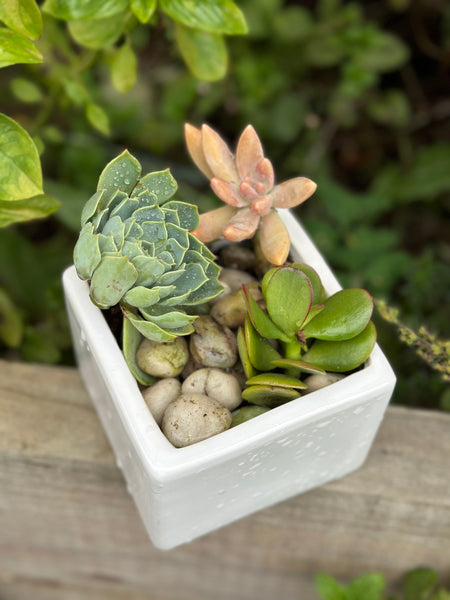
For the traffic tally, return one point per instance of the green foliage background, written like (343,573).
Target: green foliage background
(351,94)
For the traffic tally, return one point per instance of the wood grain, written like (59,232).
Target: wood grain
(69,530)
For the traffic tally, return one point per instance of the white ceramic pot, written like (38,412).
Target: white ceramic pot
(182,493)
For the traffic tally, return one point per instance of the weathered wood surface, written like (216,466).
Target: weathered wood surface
(69,530)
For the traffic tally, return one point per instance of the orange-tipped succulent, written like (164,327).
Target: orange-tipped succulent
(246,183)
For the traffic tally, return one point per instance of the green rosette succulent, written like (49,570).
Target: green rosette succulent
(135,248)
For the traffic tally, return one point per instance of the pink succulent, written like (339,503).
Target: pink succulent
(246,183)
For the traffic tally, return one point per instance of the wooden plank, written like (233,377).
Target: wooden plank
(69,529)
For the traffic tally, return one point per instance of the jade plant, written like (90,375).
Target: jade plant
(136,250)
(246,184)
(312,334)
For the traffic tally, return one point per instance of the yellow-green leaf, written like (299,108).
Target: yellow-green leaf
(98,118)
(20,167)
(74,10)
(16,48)
(22,16)
(26,210)
(218,16)
(204,53)
(143,9)
(124,68)
(97,33)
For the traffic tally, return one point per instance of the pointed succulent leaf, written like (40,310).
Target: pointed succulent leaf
(87,255)
(113,277)
(187,214)
(218,156)
(345,314)
(166,317)
(208,291)
(293,192)
(106,244)
(274,238)
(141,297)
(160,183)
(115,227)
(174,249)
(212,222)
(228,192)
(194,143)
(132,250)
(241,226)
(100,220)
(269,395)
(288,298)
(179,234)
(131,339)
(176,298)
(288,363)
(148,329)
(122,173)
(156,232)
(125,209)
(261,320)
(260,351)
(249,152)
(91,206)
(345,355)
(152,214)
(170,277)
(249,369)
(276,379)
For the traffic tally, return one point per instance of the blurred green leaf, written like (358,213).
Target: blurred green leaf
(293,24)
(11,326)
(98,33)
(217,16)
(22,16)
(124,68)
(16,48)
(20,167)
(98,118)
(143,9)
(329,588)
(74,10)
(385,53)
(25,90)
(419,584)
(26,210)
(38,346)
(367,587)
(205,53)
(390,108)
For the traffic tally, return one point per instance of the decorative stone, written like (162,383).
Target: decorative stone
(319,381)
(160,395)
(231,310)
(237,256)
(213,345)
(215,384)
(192,418)
(162,359)
(234,278)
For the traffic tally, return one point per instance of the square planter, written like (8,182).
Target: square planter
(182,493)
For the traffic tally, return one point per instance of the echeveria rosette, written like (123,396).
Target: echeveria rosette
(246,184)
(314,333)
(136,250)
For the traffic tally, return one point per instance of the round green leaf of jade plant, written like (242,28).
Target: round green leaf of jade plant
(301,331)
(136,250)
